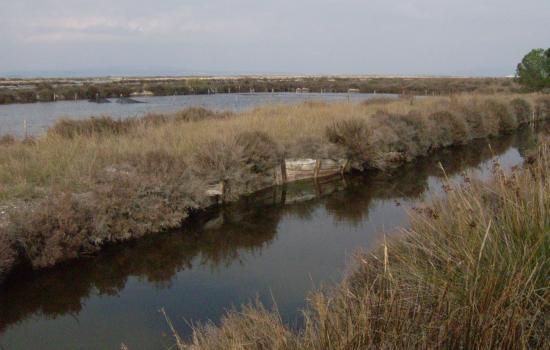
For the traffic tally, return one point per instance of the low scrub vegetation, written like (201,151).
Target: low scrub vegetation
(104,125)
(44,90)
(471,273)
(87,183)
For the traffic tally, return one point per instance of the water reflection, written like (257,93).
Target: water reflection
(251,231)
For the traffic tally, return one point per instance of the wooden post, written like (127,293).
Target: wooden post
(345,167)
(283,172)
(222,197)
(25,128)
(317,168)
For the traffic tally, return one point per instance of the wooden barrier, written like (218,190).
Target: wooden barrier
(300,169)
(291,170)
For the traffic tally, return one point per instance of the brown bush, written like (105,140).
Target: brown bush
(522,110)
(7,140)
(244,163)
(313,147)
(160,161)
(411,136)
(475,119)
(542,107)
(448,129)
(69,128)
(133,206)
(57,229)
(497,113)
(190,114)
(218,160)
(260,151)
(354,135)
(104,125)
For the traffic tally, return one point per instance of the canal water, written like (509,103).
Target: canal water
(275,247)
(39,116)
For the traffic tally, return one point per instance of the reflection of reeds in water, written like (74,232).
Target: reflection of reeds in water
(471,272)
(219,236)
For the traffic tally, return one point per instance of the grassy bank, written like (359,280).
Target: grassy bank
(88,183)
(45,90)
(472,272)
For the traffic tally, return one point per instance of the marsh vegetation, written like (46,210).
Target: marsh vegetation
(88,183)
(45,90)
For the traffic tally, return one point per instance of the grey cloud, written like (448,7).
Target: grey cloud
(483,37)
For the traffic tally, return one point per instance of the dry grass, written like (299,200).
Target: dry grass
(90,182)
(471,273)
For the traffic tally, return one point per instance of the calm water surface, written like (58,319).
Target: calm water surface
(278,245)
(40,116)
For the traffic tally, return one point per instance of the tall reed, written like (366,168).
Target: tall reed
(472,272)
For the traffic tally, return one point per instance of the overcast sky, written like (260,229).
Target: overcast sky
(412,37)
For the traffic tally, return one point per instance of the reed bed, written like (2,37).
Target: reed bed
(472,272)
(88,183)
